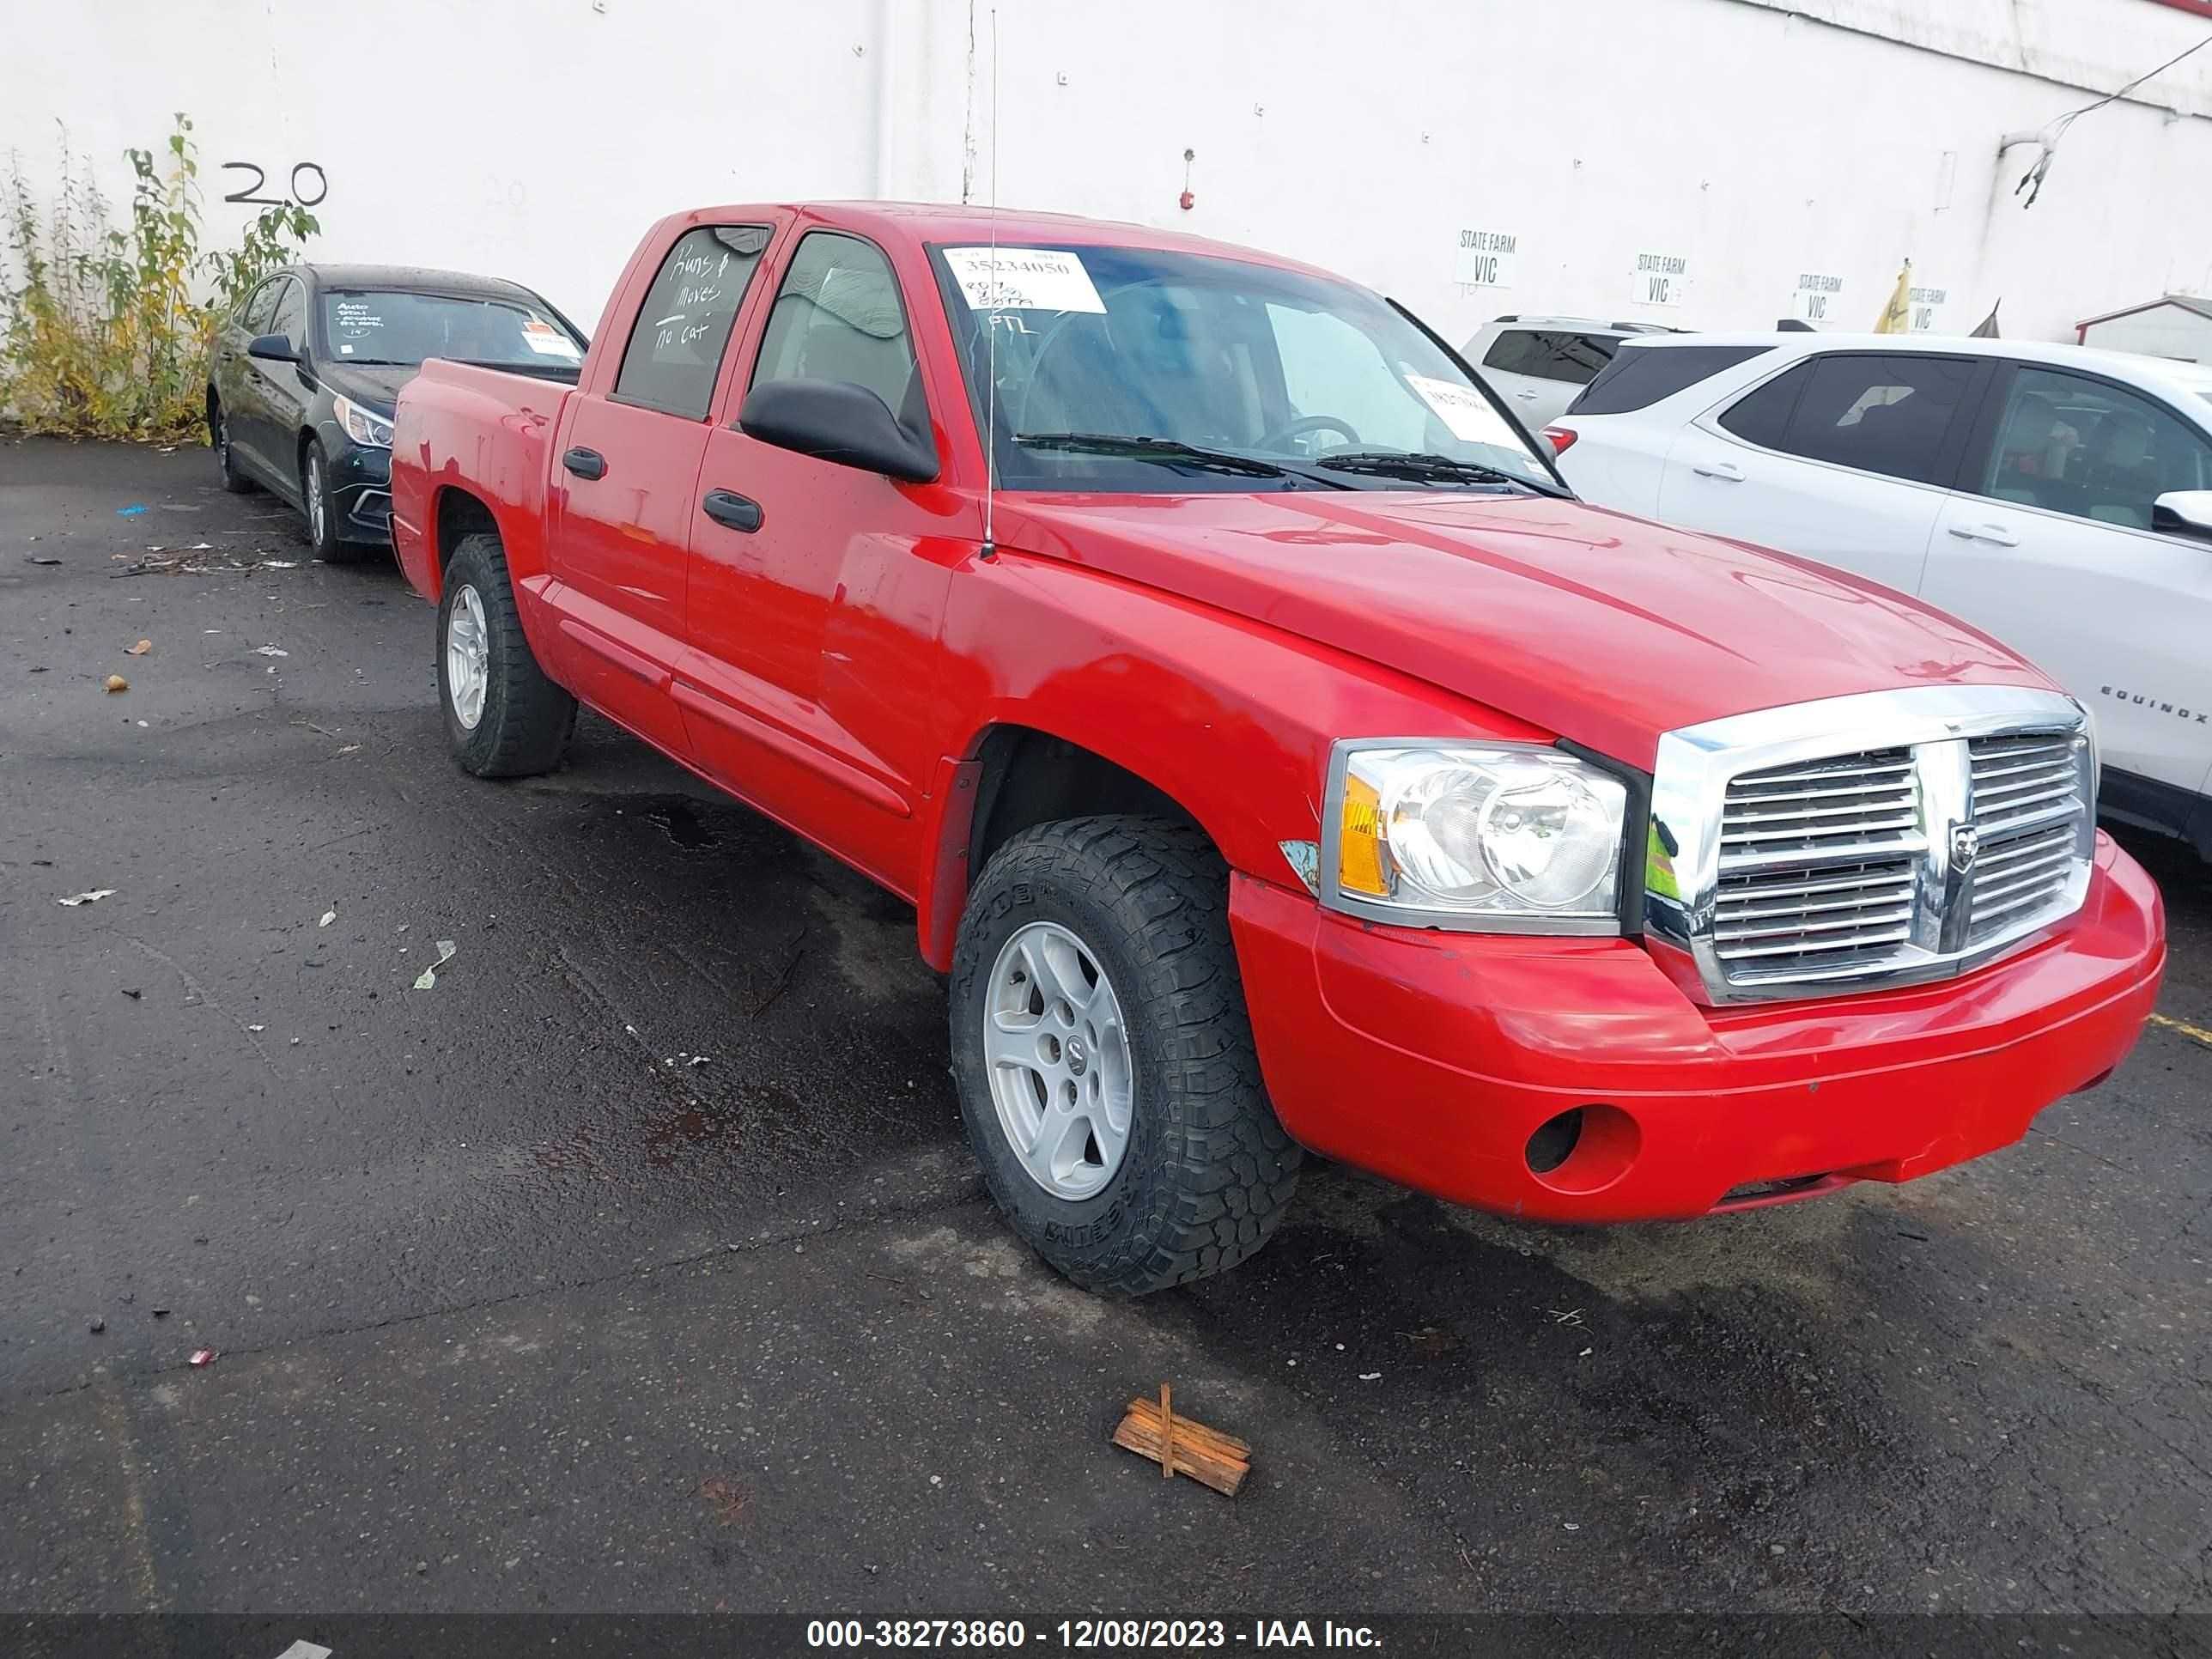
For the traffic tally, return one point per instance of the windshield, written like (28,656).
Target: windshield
(1245,363)
(384,326)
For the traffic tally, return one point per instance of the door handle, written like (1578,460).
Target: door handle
(727,506)
(1726,472)
(1530,396)
(585,463)
(1985,532)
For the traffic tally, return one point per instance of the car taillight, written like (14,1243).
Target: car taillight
(1561,438)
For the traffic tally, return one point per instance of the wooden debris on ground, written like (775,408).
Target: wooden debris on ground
(1182,1446)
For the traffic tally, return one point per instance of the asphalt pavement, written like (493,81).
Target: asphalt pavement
(638,1264)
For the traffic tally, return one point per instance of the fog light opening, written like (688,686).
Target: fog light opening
(1554,1141)
(1583,1150)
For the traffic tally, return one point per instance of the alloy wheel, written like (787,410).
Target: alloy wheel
(1061,1075)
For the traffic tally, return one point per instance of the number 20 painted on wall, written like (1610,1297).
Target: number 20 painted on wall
(322,186)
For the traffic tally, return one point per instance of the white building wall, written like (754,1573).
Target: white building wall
(1752,141)
(2161,331)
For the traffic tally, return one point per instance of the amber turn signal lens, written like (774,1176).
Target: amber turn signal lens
(1361,852)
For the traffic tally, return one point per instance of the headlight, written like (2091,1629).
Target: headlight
(364,428)
(1501,837)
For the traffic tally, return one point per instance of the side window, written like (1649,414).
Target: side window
(1639,376)
(2081,446)
(1761,417)
(1550,354)
(261,304)
(838,317)
(290,317)
(676,345)
(1883,412)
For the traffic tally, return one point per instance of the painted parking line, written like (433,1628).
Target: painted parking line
(2194,1033)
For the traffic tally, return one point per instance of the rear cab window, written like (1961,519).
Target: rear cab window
(682,326)
(1640,376)
(1899,414)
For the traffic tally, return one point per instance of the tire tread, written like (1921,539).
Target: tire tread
(530,717)
(1230,1168)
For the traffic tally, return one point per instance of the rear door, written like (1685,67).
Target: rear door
(1538,371)
(625,464)
(1845,458)
(2049,546)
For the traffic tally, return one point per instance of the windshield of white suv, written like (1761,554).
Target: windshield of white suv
(1137,371)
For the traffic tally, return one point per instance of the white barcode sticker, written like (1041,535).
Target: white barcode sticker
(1023,279)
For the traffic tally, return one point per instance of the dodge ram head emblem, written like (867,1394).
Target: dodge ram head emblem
(1965,846)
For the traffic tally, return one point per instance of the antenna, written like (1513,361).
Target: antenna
(990,548)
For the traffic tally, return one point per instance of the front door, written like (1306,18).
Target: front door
(2050,547)
(275,407)
(237,377)
(625,467)
(1845,458)
(810,580)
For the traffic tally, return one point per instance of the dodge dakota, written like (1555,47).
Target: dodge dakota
(1277,756)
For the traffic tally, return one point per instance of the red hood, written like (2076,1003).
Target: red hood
(1599,627)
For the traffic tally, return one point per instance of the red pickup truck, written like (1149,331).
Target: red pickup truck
(1276,754)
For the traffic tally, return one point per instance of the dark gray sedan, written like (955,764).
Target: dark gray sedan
(305,376)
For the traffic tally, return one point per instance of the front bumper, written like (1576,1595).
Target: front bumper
(1431,1058)
(361,492)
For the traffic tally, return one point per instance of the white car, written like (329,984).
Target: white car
(1538,364)
(2058,498)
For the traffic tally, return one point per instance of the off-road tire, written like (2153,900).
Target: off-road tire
(528,719)
(1208,1169)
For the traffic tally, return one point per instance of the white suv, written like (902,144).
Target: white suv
(2058,498)
(1537,364)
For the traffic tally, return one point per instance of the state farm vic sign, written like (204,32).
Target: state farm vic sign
(1661,279)
(1487,259)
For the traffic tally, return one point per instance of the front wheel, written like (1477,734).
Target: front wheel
(1105,1065)
(504,718)
(322,511)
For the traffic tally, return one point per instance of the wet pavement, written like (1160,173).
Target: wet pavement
(639,1264)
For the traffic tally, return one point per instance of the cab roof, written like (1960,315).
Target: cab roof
(970,224)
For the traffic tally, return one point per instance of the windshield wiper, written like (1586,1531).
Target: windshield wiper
(1168,452)
(1393,463)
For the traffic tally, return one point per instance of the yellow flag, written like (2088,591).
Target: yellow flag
(1897,315)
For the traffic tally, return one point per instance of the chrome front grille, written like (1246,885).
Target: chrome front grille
(1799,864)
(2027,795)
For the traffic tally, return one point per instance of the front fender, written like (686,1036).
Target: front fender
(1229,717)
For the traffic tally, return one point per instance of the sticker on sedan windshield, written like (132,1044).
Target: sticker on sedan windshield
(1465,413)
(547,341)
(1026,279)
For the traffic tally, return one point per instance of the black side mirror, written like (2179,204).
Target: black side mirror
(837,421)
(2183,513)
(273,348)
